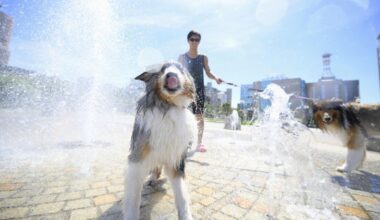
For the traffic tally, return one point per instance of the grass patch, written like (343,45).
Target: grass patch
(218,120)
(247,123)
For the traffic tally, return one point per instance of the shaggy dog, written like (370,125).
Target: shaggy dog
(164,128)
(353,123)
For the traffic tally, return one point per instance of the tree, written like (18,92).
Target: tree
(226,109)
(208,110)
(241,113)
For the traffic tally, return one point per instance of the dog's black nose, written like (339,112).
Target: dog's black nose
(327,118)
(171,74)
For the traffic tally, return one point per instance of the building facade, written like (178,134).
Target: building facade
(330,88)
(6,24)
(246,98)
(228,94)
(211,94)
(327,88)
(294,86)
(216,97)
(378,57)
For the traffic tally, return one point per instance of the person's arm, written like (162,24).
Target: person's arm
(209,73)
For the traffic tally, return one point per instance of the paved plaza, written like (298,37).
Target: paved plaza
(55,174)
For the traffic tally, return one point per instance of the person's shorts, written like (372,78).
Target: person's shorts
(198,106)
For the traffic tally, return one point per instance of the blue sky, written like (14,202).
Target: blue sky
(245,40)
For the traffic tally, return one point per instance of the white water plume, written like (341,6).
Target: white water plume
(73,108)
(284,145)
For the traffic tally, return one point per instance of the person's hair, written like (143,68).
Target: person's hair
(192,33)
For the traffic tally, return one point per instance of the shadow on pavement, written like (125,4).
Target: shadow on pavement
(200,163)
(151,195)
(114,212)
(361,180)
(190,154)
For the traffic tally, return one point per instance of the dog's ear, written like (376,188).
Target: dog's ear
(315,106)
(152,70)
(145,76)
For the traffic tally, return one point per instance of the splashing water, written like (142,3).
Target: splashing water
(76,107)
(88,32)
(279,104)
(284,145)
(91,30)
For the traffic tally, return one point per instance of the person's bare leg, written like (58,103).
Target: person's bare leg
(201,124)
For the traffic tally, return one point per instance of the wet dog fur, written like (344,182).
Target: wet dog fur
(163,130)
(353,123)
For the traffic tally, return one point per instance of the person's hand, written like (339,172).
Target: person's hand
(219,81)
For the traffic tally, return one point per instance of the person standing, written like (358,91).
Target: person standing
(196,64)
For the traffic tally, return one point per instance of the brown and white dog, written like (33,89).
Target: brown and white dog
(163,130)
(353,123)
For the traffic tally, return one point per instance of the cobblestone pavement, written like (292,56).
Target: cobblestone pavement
(74,180)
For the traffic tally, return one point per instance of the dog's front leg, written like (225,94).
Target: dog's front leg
(133,186)
(182,201)
(354,160)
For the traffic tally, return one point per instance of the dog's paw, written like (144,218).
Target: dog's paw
(343,169)
(339,169)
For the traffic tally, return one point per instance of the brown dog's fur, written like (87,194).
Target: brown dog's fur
(352,123)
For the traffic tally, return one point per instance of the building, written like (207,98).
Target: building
(300,92)
(216,97)
(222,98)
(378,56)
(228,94)
(295,87)
(6,24)
(246,99)
(328,87)
(211,94)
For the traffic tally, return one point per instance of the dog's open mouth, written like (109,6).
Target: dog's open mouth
(172,82)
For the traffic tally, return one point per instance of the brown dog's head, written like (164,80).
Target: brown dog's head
(328,115)
(171,84)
